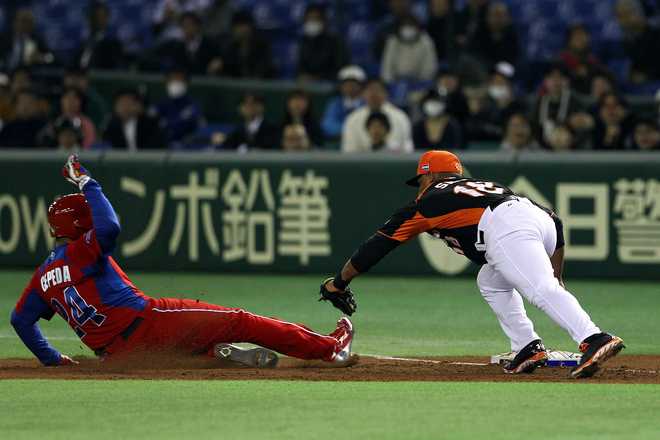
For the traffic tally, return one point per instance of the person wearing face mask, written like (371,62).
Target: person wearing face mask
(438,130)
(322,53)
(488,123)
(179,115)
(448,85)
(409,54)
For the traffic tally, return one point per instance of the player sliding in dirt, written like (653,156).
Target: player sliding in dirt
(518,244)
(82,283)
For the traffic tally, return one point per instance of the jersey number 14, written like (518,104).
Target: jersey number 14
(79,310)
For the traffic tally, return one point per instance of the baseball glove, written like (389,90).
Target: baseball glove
(343,300)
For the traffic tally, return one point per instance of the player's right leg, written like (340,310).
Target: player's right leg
(195,326)
(510,311)
(519,250)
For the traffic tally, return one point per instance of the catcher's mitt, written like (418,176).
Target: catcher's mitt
(343,300)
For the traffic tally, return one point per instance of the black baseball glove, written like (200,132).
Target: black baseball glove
(343,300)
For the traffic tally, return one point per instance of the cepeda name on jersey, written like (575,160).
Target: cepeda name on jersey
(54,277)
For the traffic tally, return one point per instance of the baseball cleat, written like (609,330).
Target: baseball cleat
(251,357)
(596,350)
(528,359)
(344,335)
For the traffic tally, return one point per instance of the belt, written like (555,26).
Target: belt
(125,334)
(501,200)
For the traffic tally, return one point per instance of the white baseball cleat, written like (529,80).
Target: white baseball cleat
(344,335)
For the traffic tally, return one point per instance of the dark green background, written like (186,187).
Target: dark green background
(363,191)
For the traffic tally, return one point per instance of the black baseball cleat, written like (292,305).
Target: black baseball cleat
(532,356)
(250,357)
(596,350)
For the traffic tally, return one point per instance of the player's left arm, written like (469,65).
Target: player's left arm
(104,217)
(557,258)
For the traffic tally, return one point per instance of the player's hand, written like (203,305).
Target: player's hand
(344,300)
(75,173)
(66,360)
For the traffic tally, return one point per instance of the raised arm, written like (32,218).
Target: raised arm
(104,218)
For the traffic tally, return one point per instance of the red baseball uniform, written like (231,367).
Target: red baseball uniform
(87,288)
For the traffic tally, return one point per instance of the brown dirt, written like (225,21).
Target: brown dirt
(623,369)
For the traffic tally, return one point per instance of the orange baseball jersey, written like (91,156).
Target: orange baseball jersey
(449,209)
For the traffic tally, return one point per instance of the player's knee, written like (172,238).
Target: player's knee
(542,291)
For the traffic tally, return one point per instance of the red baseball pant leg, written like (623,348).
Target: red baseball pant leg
(194,326)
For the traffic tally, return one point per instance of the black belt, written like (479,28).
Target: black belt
(501,200)
(125,334)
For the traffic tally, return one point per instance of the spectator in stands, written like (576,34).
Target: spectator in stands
(438,130)
(294,138)
(68,134)
(646,135)
(409,53)
(130,128)
(497,40)
(562,138)
(601,83)
(217,19)
(557,105)
(167,16)
(321,53)
(255,132)
(196,53)
(72,104)
(378,128)
(351,79)
(21,79)
(179,115)
(613,123)
(95,105)
(397,10)
(518,134)
(448,84)
(29,121)
(355,137)
(469,20)
(641,40)
(23,46)
(247,54)
(488,122)
(438,27)
(578,58)
(6,102)
(101,50)
(299,112)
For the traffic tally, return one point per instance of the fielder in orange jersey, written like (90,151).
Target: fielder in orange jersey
(518,244)
(82,282)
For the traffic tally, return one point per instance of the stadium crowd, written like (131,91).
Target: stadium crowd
(449,79)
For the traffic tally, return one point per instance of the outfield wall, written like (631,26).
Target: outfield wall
(307,213)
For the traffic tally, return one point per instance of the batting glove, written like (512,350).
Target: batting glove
(75,173)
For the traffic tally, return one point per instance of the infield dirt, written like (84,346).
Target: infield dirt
(623,369)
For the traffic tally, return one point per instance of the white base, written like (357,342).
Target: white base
(555,358)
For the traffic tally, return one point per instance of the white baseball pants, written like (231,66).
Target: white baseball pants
(519,239)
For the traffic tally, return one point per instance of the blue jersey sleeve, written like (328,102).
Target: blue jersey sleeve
(104,218)
(24,321)
(333,118)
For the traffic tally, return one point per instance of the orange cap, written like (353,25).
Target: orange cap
(436,161)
